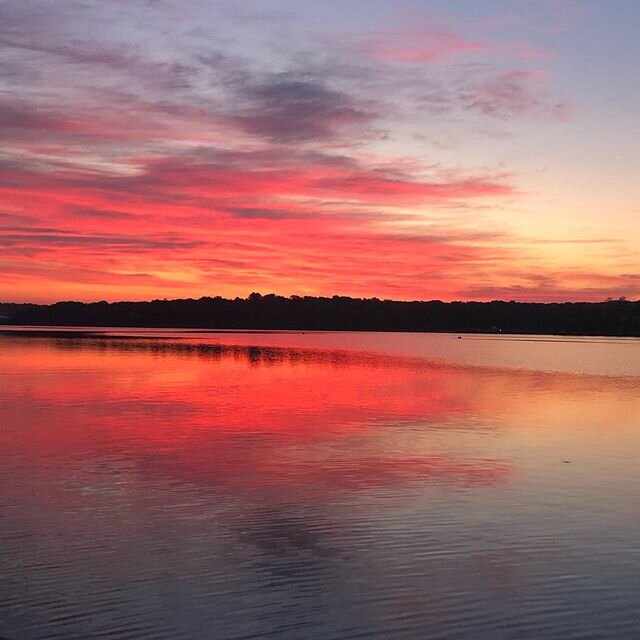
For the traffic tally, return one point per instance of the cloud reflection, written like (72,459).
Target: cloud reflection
(288,421)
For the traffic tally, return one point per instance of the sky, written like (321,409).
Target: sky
(405,149)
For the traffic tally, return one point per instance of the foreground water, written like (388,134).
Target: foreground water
(191,485)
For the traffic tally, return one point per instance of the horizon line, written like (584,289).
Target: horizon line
(259,296)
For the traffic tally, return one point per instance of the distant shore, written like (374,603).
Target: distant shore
(617,318)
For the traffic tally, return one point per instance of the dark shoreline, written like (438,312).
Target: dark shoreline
(120,333)
(258,313)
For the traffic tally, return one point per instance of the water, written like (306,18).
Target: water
(194,485)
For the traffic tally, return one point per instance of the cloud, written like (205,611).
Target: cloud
(288,109)
(299,220)
(101,214)
(528,52)
(559,285)
(224,177)
(513,93)
(414,46)
(42,239)
(263,213)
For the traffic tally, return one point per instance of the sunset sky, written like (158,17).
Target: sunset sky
(406,149)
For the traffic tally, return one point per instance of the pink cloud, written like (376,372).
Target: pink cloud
(278,219)
(528,52)
(412,46)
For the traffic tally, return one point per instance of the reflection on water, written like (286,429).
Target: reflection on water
(318,486)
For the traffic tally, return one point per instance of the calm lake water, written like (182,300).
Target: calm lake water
(193,485)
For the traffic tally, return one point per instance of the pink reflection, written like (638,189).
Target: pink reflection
(284,419)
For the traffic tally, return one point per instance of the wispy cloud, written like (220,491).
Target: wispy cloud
(512,93)
(412,46)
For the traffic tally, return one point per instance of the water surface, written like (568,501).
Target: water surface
(163,484)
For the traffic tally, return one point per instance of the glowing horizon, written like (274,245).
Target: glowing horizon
(403,150)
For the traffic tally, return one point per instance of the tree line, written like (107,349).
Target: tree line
(612,317)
